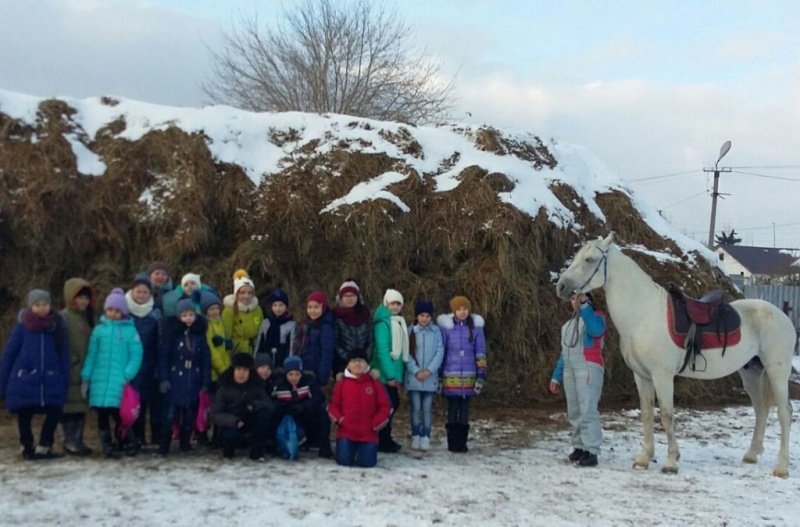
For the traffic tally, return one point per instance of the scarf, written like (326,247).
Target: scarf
(273,338)
(139,310)
(352,316)
(38,324)
(246,308)
(399,338)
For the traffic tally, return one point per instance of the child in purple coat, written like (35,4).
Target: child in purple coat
(464,367)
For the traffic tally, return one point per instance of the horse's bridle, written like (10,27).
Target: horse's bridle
(604,262)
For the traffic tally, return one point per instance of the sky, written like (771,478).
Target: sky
(652,88)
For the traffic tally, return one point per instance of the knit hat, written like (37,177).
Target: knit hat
(116,300)
(392,295)
(142,279)
(36,295)
(357,353)
(191,277)
(423,306)
(241,279)
(263,359)
(350,286)
(278,295)
(158,266)
(460,301)
(293,362)
(184,304)
(208,299)
(242,360)
(319,297)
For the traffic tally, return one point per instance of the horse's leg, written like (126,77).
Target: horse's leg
(664,384)
(646,400)
(778,379)
(753,381)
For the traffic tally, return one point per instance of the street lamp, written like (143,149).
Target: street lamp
(726,146)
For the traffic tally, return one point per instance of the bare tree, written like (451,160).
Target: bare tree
(351,58)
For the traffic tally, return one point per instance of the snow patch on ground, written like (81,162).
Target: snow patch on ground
(89,163)
(514,474)
(658,255)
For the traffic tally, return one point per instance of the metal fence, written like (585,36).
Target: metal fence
(782,296)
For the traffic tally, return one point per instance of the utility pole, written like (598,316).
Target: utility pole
(726,146)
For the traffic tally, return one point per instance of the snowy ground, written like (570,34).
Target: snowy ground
(515,474)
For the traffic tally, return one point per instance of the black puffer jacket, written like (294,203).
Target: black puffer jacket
(235,401)
(349,338)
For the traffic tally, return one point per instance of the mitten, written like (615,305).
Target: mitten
(84,389)
(217,340)
(478,386)
(228,344)
(164,387)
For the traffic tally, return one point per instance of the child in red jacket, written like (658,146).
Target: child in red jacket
(360,406)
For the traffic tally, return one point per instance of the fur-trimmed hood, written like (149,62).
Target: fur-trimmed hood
(447,321)
(229,300)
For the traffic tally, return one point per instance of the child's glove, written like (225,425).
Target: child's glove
(164,387)
(217,340)
(228,344)
(478,386)
(84,389)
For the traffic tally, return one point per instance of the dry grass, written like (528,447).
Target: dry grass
(208,217)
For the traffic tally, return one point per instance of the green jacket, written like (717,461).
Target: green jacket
(391,369)
(78,332)
(242,327)
(220,360)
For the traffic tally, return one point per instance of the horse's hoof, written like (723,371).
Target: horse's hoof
(669,470)
(780,473)
(750,460)
(638,465)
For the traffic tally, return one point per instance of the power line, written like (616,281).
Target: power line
(663,176)
(701,193)
(765,176)
(772,167)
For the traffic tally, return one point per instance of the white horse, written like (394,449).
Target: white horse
(638,308)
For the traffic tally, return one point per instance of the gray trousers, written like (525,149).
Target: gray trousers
(583,385)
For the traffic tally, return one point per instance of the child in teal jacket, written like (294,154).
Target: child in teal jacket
(114,358)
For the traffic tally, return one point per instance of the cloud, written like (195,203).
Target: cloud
(644,128)
(85,48)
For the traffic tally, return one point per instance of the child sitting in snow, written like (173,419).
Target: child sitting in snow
(361,408)
(242,406)
(299,398)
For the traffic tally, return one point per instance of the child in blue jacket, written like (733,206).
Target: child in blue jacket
(426,351)
(184,370)
(34,373)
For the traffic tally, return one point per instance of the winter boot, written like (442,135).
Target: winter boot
(45,452)
(452,440)
(425,443)
(185,439)
(576,455)
(110,450)
(588,460)
(164,443)
(70,437)
(415,442)
(28,452)
(461,436)
(325,450)
(83,450)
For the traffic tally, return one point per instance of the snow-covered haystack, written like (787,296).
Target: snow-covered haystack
(99,187)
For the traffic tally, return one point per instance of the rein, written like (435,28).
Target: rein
(604,262)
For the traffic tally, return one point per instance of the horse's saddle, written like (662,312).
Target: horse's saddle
(698,324)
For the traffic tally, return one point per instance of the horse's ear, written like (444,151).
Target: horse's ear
(611,238)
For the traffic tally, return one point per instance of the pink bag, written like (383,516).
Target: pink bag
(129,408)
(203,407)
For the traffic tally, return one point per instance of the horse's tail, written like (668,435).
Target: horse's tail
(766,390)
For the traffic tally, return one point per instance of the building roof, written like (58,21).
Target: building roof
(769,261)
